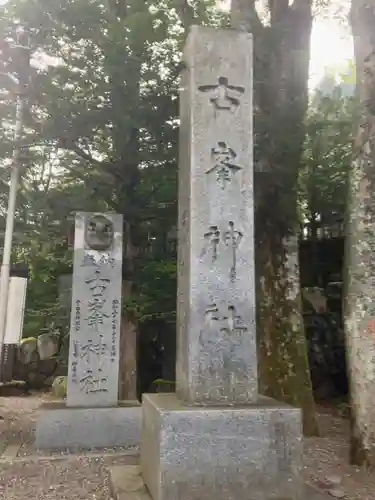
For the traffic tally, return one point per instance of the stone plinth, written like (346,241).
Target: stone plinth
(238,453)
(62,427)
(216,353)
(96,311)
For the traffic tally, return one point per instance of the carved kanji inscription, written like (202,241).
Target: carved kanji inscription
(231,238)
(224,165)
(93,382)
(96,315)
(228,322)
(212,240)
(92,351)
(223,95)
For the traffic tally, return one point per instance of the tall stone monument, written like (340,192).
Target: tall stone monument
(217,438)
(94,417)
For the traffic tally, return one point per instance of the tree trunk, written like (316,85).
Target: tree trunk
(128,353)
(129,330)
(360,245)
(125,98)
(281,55)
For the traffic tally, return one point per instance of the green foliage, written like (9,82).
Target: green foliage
(154,295)
(327,156)
(102,119)
(46,261)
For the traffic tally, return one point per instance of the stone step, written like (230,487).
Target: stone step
(11,451)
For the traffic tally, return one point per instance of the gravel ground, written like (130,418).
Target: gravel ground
(78,478)
(326,458)
(61,476)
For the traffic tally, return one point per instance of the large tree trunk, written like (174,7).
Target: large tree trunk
(129,327)
(128,352)
(360,245)
(125,98)
(281,56)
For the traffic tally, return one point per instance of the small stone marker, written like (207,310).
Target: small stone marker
(96,311)
(92,416)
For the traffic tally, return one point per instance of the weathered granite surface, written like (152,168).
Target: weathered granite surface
(216,354)
(62,427)
(216,438)
(96,313)
(238,453)
(48,345)
(126,483)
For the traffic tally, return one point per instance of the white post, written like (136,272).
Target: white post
(5,266)
(21,81)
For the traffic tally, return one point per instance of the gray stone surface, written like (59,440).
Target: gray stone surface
(95,316)
(48,345)
(217,439)
(61,427)
(238,453)
(28,350)
(216,353)
(126,483)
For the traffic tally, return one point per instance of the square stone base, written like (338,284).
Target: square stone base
(126,483)
(221,453)
(62,427)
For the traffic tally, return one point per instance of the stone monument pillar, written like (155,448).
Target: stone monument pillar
(93,417)
(217,438)
(96,311)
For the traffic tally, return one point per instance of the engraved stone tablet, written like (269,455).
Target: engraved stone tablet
(96,311)
(216,357)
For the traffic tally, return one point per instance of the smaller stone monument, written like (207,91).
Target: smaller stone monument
(92,416)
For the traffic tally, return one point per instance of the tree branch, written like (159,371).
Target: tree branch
(301,4)
(244,16)
(72,146)
(278,9)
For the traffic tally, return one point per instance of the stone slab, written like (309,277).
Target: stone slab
(204,453)
(96,313)
(216,338)
(62,427)
(11,451)
(126,483)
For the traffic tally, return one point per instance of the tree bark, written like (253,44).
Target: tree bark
(125,75)
(281,60)
(360,243)
(128,352)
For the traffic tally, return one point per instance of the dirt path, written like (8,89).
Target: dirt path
(326,459)
(24,473)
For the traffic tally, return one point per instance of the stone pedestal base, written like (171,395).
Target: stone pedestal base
(62,427)
(221,453)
